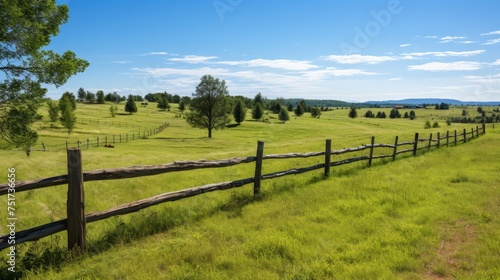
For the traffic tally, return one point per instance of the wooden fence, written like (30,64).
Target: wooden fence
(77,219)
(102,141)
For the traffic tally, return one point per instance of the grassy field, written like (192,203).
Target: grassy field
(429,217)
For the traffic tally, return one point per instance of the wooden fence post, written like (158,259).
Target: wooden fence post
(415,145)
(455,137)
(371,151)
(78,144)
(465,135)
(328,156)
(258,167)
(76,202)
(395,148)
(484,128)
(43,146)
(471,132)
(439,140)
(447,138)
(120,137)
(430,141)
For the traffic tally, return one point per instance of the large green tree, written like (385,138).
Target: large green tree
(26,28)
(130,106)
(257,111)
(210,107)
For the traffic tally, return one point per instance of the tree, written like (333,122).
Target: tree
(163,103)
(209,107)
(67,96)
(176,98)
(90,97)
(315,112)
(299,111)
(480,110)
(258,99)
(412,115)
(53,111)
(82,95)
(427,125)
(283,115)
(369,114)
(239,112)
(182,106)
(100,97)
(130,105)
(276,107)
(26,28)
(289,107)
(435,125)
(394,114)
(113,109)
(68,117)
(464,113)
(352,113)
(257,111)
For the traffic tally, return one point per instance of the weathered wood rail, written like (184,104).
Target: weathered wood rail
(77,219)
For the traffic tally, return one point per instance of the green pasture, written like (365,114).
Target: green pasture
(428,217)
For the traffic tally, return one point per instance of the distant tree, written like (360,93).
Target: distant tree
(210,106)
(305,107)
(150,97)
(275,107)
(369,114)
(90,97)
(257,111)
(176,99)
(68,117)
(258,99)
(480,110)
(315,112)
(82,95)
(394,114)
(130,106)
(182,105)
(239,111)
(464,113)
(448,122)
(352,113)
(427,125)
(383,115)
(100,97)
(299,111)
(406,115)
(289,107)
(69,97)
(163,103)
(379,114)
(435,125)
(53,111)
(412,115)
(283,115)
(113,109)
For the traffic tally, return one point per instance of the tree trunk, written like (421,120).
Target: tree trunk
(210,133)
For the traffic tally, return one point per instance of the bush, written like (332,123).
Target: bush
(435,125)
(427,125)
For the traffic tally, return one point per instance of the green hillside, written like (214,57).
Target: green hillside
(428,217)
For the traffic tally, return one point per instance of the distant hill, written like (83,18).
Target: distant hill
(417,101)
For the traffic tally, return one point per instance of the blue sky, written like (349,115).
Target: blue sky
(346,50)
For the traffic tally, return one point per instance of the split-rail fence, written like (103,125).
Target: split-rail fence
(76,220)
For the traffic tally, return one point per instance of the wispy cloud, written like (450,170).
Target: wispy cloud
(446,53)
(468,42)
(395,79)
(447,66)
(497,62)
(358,59)
(120,61)
(488,79)
(335,72)
(492,41)
(154,53)
(448,39)
(193,59)
(286,64)
(491,33)
(404,45)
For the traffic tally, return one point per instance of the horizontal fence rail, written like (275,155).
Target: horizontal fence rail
(76,218)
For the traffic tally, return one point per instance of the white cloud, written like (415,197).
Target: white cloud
(430,37)
(447,66)
(357,58)
(446,53)
(395,79)
(120,61)
(488,79)
(491,33)
(497,62)
(154,53)
(193,59)
(334,72)
(468,42)
(404,45)
(448,39)
(286,64)
(492,41)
